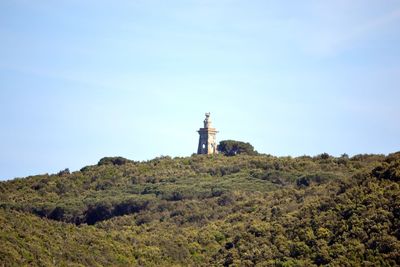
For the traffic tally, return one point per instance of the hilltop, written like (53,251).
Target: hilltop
(243,210)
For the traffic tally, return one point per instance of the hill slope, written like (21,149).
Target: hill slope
(216,210)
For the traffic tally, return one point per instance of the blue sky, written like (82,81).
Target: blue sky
(80,80)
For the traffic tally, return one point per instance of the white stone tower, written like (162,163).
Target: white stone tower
(207,140)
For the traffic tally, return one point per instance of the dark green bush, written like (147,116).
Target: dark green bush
(113,161)
(232,148)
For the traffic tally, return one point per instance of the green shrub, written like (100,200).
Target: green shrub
(232,148)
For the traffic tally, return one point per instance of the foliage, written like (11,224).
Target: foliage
(247,210)
(232,148)
(114,161)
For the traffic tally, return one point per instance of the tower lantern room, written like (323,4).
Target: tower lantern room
(207,139)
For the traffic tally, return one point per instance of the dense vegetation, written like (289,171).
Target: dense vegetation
(246,210)
(233,148)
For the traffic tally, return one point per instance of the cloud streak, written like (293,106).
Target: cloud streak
(327,37)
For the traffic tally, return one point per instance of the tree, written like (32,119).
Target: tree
(113,161)
(232,148)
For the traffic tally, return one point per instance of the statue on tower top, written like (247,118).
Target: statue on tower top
(207,121)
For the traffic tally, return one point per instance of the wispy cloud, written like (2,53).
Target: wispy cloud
(325,37)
